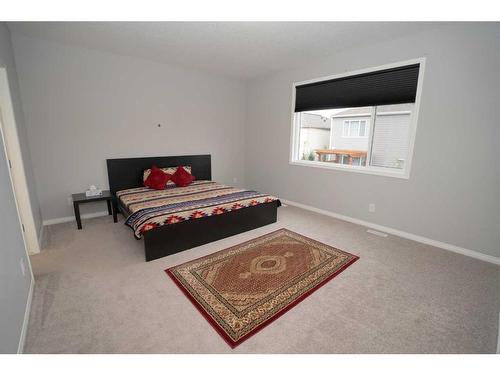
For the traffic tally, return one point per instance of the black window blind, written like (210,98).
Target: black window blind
(388,86)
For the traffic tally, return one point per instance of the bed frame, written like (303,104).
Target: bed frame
(173,238)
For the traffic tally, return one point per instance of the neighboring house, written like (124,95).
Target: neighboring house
(314,133)
(391,138)
(350,130)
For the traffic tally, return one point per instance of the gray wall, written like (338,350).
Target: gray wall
(83,106)
(75,98)
(14,286)
(453,192)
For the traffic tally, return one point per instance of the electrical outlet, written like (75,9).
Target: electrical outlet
(235,180)
(23,268)
(70,201)
(371,207)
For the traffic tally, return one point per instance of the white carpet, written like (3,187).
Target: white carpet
(95,293)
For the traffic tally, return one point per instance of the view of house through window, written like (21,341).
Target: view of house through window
(374,136)
(363,121)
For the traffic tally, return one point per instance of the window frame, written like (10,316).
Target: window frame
(368,169)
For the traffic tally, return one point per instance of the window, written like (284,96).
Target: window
(362,121)
(354,129)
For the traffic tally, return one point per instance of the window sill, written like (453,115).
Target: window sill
(402,174)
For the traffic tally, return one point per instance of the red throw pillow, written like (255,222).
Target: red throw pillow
(181,177)
(157,179)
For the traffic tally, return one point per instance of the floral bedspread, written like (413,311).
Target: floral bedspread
(151,208)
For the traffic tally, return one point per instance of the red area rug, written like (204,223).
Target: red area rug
(242,289)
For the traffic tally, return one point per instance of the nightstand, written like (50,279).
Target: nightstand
(82,198)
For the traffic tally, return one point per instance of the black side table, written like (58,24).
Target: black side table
(82,198)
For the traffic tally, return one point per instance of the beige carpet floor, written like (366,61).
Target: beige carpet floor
(95,293)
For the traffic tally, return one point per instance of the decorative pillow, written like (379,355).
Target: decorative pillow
(157,179)
(181,177)
(167,170)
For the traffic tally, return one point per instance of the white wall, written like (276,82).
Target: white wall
(14,286)
(453,191)
(7,59)
(83,106)
(76,98)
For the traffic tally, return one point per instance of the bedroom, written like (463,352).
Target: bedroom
(382,211)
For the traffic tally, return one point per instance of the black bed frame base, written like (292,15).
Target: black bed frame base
(171,239)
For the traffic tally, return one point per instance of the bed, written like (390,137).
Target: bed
(210,212)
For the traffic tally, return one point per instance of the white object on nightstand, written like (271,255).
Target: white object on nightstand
(93,191)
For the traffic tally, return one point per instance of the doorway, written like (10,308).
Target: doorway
(17,173)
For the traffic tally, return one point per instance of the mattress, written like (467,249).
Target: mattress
(149,208)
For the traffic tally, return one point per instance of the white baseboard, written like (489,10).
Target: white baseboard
(26,320)
(399,233)
(67,219)
(498,333)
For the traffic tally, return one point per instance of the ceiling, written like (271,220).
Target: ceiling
(240,50)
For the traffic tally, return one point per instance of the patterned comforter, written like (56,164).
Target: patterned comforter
(151,208)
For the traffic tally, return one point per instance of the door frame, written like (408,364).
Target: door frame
(12,148)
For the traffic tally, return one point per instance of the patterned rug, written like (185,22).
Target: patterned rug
(242,289)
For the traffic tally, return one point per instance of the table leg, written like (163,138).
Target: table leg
(109,207)
(115,211)
(76,207)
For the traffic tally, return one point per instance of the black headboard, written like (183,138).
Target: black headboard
(127,173)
